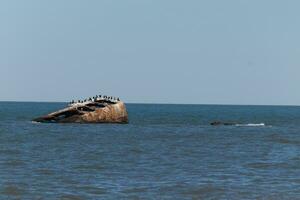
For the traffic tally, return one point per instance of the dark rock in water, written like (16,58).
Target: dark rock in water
(216,123)
(219,123)
(89,112)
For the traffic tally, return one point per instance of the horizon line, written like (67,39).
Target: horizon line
(156,103)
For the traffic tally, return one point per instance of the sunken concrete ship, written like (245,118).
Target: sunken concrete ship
(99,109)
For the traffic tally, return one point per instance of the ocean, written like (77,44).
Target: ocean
(165,152)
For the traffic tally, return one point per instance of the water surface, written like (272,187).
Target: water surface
(165,152)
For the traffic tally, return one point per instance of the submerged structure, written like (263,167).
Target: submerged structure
(93,110)
(219,123)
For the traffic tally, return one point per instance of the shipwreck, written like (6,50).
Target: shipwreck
(93,110)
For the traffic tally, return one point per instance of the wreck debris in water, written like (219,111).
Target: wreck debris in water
(94,110)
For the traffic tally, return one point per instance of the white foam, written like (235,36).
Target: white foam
(260,124)
(33,122)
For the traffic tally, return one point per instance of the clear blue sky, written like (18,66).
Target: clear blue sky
(160,51)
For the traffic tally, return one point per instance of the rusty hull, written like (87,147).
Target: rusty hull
(104,112)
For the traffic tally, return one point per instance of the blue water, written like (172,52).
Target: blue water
(165,152)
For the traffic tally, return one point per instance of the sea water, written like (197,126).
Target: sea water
(165,152)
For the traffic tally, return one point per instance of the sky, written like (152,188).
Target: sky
(151,51)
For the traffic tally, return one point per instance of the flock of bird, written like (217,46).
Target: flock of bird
(96,98)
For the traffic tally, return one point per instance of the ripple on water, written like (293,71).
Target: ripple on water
(282,140)
(45,171)
(266,165)
(12,190)
(92,190)
(134,190)
(202,191)
(67,180)
(136,151)
(71,197)
(88,167)
(14,163)
(9,152)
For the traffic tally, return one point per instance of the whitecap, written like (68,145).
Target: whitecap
(259,124)
(34,122)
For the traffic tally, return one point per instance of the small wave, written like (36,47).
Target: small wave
(260,124)
(33,122)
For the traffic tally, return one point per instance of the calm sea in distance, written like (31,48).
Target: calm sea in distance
(165,152)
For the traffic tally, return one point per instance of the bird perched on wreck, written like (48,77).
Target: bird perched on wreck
(89,111)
